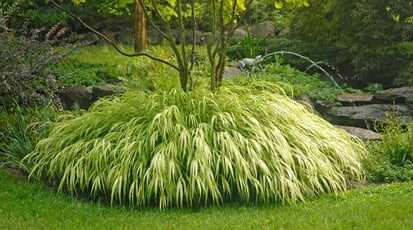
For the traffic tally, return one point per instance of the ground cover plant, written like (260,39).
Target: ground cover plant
(21,130)
(392,158)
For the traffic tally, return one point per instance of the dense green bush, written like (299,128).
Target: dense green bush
(36,13)
(24,63)
(74,73)
(365,34)
(182,149)
(293,82)
(21,130)
(392,158)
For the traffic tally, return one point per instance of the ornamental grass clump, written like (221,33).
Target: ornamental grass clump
(183,149)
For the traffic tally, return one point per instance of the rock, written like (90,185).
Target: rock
(356,98)
(264,30)
(75,97)
(306,100)
(153,37)
(240,33)
(110,35)
(363,134)
(105,90)
(367,115)
(323,106)
(206,37)
(409,103)
(398,95)
(188,37)
(80,97)
(90,38)
(283,33)
(232,72)
(125,38)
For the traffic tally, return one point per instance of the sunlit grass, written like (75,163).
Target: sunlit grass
(32,206)
(182,149)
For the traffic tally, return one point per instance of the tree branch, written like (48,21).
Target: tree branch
(77,18)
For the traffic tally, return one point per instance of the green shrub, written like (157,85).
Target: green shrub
(25,61)
(97,64)
(392,158)
(364,35)
(293,82)
(248,47)
(182,149)
(21,130)
(74,73)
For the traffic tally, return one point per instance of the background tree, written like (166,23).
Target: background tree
(140,28)
(366,34)
(225,15)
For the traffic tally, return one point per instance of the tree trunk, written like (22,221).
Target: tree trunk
(140,28)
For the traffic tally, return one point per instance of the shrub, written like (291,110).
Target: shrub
(365,35)
(293,82)
(23,61)
(392,158)
(182,149)
(21,130)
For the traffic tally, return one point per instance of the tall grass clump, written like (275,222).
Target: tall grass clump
(182,149)
(21,129)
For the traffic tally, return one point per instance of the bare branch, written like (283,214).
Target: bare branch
(111,42)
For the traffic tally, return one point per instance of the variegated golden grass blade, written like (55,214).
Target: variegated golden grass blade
(179,149)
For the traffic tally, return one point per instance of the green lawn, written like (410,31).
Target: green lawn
(26,205)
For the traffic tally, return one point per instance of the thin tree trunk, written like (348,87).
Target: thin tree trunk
(140,28)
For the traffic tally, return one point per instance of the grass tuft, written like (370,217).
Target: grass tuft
(183,149)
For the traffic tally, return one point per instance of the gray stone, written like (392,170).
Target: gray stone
(125,38)
(90,38)
(206,37)
(323,106)
(283,33)
(240,33)
(409,103)
(395,95)
(232,72)
(153,37)
(109,35)
(304,98)
(75,97)
(105,90)
(358,98)
(366,115)
(363,134)
(264,30)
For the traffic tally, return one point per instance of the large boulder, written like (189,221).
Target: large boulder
(231,71)
(366,115)
(75,97)
(81,97)
(105,90)
(240,33)
(355,98)
(265,29)
(398,95)
(363,134)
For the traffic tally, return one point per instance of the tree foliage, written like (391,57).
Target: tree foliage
(225,15)
(366,33)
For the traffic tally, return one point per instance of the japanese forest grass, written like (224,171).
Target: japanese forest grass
(173,148)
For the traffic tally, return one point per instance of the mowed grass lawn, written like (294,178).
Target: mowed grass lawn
(25,205)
